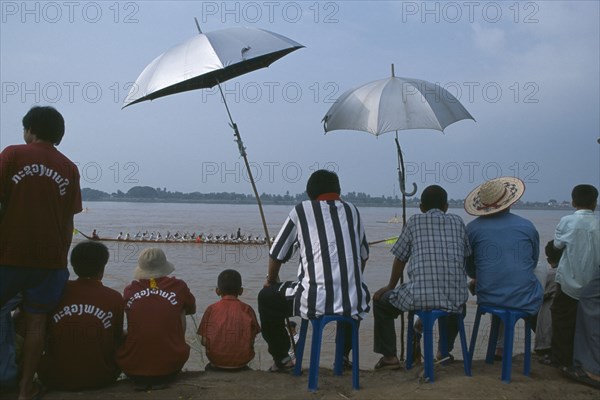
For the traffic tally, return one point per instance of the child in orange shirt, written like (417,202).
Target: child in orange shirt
(228,328)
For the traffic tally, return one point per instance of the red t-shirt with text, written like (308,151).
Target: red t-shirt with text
(155,343)
(84,331)
(39,194)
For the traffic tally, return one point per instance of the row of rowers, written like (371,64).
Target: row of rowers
(189,237)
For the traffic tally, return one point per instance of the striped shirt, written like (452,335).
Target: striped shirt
(331,242)
(435,245)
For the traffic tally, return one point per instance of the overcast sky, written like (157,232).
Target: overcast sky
(527,71)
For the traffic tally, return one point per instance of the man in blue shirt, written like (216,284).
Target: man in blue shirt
(505,248)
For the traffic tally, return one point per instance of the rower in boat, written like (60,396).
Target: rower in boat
(120,237)
(138,235)
(95,235)
(127,237)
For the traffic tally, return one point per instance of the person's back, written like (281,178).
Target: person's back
(228,328)
(505,254)
(85,328)
(579,235)
(155,306)
(437,246)
(328,263)
(39,195)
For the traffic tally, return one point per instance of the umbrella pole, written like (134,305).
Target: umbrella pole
(242,149)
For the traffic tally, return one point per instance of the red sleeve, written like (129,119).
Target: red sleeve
(189,303)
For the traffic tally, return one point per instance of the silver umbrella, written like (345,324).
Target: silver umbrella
(207,60)
(395,104)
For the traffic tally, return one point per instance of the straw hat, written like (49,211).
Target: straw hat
(152,263)
(494,196)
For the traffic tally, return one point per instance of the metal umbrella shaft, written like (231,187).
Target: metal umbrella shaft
(242,149)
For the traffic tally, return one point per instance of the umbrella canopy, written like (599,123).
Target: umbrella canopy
(395,104)
(209,59)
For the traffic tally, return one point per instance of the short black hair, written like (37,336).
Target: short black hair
(46,123)
(434,196)
(89,258)
(552,253)
(322,181)
(584,196)
(230,282)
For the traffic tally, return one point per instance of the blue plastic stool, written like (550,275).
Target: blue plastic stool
(509,317)
(318,325)
(428,317)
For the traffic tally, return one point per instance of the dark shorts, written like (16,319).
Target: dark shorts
(41,288)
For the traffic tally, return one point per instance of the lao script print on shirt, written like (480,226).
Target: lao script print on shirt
(171,296)
(42,170)
(79,309)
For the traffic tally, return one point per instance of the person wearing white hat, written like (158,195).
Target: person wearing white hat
(505,248)
(155,305)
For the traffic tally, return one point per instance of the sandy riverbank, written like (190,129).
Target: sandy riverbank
(450,383)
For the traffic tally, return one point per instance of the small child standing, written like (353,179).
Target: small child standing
(228,328)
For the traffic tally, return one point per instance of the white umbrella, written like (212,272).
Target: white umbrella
(395,104)
(207,60)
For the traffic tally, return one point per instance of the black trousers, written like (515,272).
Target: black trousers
(564,316)
(273,308)
(384,335)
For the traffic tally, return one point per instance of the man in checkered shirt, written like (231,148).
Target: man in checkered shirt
(434,247)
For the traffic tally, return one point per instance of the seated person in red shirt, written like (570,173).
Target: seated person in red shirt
(228,327)
(85,328)
(156,305)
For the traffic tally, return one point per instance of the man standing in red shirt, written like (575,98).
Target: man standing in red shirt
(85,328)
(39,194)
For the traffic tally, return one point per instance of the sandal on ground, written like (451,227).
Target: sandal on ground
(579,375)
(382,365)
(286,365)
(547,360)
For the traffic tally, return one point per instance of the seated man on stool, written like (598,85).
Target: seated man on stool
(333,253)
(435,246)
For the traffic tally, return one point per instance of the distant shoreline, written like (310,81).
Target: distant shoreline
(454,205)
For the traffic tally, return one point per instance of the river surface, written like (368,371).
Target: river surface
(199,265)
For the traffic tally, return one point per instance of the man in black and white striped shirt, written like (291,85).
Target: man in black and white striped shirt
(330,238)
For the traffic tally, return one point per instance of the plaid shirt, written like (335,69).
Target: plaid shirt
(435,245)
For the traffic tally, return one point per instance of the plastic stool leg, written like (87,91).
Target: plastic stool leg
(428,344)
(509,331)
(474,335)
(315,354)
(527,361)
(463,345)
(409,340)
(300,347)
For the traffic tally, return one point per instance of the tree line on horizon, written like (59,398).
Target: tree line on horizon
(150,194)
